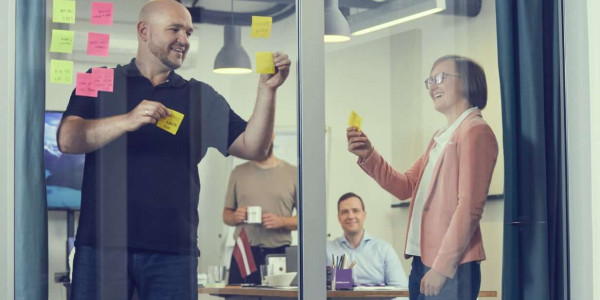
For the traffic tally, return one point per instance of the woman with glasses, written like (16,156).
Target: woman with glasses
(447,185)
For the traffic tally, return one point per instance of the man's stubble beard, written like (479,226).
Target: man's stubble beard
(162,54)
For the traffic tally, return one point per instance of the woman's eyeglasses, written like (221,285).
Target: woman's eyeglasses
(437,78)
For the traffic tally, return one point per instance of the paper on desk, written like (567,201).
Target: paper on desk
(380,288)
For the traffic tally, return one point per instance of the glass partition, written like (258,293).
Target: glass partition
(258,196)
(386,80)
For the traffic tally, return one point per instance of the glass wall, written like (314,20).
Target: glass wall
(379,76)
(267,189)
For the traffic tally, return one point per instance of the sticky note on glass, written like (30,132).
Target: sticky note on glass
(103,79)
(261,27)
(97,44)
(102,13)
(62,41)
(171,123)
(85,85)
(265,63)
(355,120)
(63,11)
(61,71)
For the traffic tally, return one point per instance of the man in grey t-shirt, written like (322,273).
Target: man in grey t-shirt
(270,184)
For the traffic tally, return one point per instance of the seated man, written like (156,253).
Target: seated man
(376,261)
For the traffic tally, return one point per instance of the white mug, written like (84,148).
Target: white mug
(254,215)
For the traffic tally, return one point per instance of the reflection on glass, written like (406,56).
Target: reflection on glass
(144,130)
(433,147)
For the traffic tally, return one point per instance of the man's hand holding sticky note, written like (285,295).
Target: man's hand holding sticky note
(355,120)
(171,123)
(265,63)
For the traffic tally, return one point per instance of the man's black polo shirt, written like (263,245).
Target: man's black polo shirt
(141,190)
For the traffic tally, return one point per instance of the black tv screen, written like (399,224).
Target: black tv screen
(64,172)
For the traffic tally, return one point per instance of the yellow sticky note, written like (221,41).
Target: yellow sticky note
(261,27)
(171,123)
(62,41)
(63,11)
(61,71)
(265,63)
(355,120)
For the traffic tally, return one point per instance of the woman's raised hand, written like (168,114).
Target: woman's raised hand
(358,143)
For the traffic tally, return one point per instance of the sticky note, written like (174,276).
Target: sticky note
(102,13)
(103,79)
(171,123)
(63,11)
(355,120)
(97,44)
(62,41)
(61,71)
(261,27)
(265,63)
(84,85)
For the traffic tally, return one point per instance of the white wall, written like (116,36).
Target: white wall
(593,10)
(7,96)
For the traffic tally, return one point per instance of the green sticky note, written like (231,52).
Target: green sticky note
(61,71)
(265,63)
(63,11)
(62,41)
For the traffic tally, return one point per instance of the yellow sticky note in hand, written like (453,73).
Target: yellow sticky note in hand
(265,63)
(61,71)
(63,11)
(171,123)
(62,41)
(261,27)
(355,120)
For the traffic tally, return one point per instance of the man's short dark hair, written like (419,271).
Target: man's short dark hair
(474,86)
(350,195)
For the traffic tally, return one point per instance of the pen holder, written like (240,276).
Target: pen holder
(341,277)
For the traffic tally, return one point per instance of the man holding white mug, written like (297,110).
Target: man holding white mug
(261,197)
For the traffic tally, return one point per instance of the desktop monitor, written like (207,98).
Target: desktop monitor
(64,172)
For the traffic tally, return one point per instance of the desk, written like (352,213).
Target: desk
(283,293)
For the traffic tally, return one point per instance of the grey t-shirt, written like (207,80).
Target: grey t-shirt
(273,189)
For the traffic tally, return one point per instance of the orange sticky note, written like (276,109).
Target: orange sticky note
(171,123)
(265,63)
(355,120)
(97,44)
(84,85)
(61,71)
(63,11)
(261,27)
(62,41)
(103,79)
(102,13)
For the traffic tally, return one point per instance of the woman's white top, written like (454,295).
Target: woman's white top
(413,243)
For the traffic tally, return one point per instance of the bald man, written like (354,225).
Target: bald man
(138,222)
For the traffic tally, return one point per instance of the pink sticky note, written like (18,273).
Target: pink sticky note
(97,44)
(102,13)
(84,85)
(103,79)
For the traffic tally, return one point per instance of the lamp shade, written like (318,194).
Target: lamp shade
(336,26)
(232,58)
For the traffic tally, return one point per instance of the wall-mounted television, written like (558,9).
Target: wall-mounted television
(64,172)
